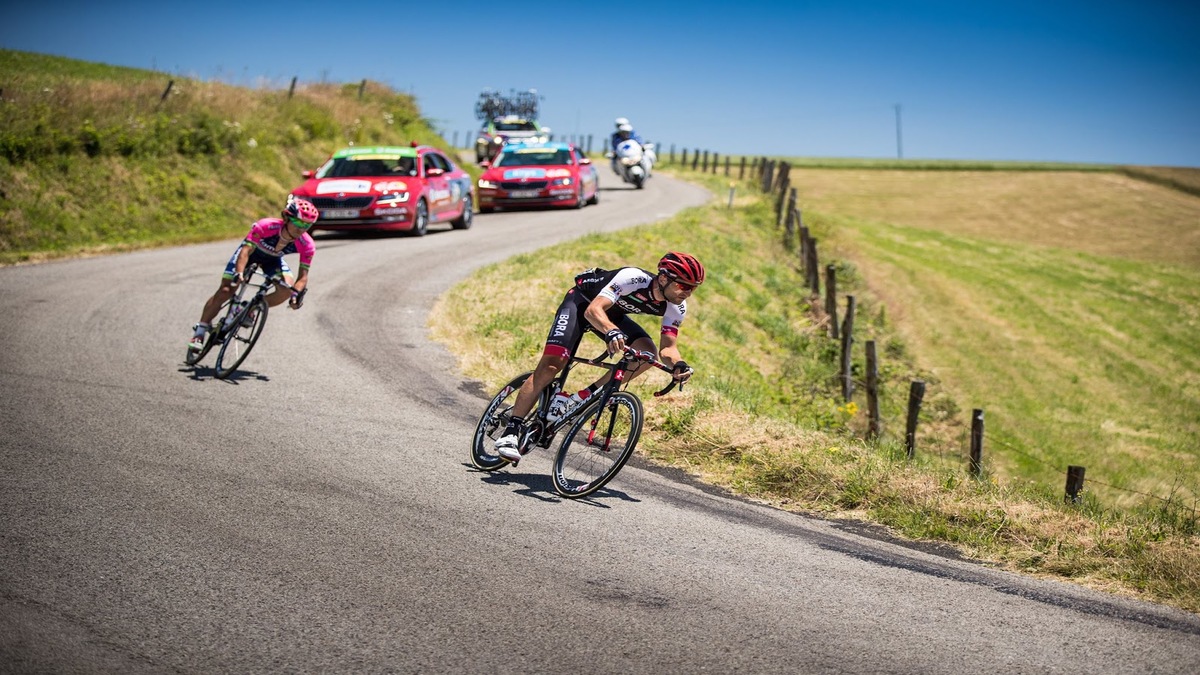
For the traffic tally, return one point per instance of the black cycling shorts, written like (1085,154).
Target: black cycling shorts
(570,325)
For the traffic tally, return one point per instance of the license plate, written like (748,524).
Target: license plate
(339,213)
(522,194)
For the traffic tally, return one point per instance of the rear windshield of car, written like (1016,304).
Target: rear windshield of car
(516,126)
(533,157)
(372,165)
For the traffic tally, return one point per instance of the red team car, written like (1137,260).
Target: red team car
(541,174)
(389,188)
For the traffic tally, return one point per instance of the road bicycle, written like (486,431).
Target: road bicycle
(602,431)
(240,323)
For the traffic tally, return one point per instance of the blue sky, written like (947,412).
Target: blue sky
(1100,81)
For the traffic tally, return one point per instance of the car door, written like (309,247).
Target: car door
(437,170)
(587,174)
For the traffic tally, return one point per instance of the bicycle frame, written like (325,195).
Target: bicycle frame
(541,431)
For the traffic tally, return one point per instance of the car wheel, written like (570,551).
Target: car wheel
(420,220)
(579,200)
(464,221)
(595,195)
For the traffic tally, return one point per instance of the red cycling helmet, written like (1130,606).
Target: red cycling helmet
(682,267)
(301,212)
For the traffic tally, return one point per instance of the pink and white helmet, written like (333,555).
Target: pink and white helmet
(301,212)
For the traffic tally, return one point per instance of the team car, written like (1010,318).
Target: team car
(389,188)
(539,174)
(507,129)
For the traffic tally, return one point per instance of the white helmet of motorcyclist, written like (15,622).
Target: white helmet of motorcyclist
(619,121)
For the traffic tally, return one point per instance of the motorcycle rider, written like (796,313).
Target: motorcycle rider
(624,132)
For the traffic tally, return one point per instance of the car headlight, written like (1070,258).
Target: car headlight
(394,198)
(486,184)
(560,181)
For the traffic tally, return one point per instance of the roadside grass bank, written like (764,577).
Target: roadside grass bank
(764,417)
(97,158)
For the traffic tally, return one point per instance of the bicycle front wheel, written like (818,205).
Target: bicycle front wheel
(599,443)
(241,338)
(492,424)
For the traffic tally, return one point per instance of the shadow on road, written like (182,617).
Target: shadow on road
(538,486)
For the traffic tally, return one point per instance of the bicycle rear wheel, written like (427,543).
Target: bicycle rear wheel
(599,443)
(241,338)
(491,425)
(210,338)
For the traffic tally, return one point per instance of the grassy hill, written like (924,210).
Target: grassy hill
(99,158)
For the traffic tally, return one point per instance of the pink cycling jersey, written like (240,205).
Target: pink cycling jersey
(264,236)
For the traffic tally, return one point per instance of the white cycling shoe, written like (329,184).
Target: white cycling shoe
(509,447)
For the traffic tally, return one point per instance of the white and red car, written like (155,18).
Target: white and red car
(538,174)
(389,188)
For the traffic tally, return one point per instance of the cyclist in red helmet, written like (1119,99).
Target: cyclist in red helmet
(601,302)
(267,242)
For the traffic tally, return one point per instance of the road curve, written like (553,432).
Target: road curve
(316,512)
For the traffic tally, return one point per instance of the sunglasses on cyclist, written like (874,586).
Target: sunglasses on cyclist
(299,224)
(684,287)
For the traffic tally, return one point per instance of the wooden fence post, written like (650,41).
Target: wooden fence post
(167,91)
(814,267)
(362,86)
(292,89)
(742,168)
(704,163)
(804,243)
(1074,484)
(727,166)
(695,158)
(847,344)
(789,231)
(683,162)
(916,392)
(872,391)
(976,442)
(785,170)
(783,190)
(831,300)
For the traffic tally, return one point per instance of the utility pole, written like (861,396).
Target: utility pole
(899,142)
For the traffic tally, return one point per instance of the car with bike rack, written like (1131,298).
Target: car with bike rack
(391,188)
(538,174)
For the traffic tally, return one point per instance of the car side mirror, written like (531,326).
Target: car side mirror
(434,172)
(584,160)
(308,174)
(487,163)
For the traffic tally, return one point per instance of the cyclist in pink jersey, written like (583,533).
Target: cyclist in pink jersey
(267,242)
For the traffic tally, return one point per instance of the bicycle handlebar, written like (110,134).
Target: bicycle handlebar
(631,354)
(648,357)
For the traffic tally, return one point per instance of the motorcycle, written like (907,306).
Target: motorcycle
(633,161)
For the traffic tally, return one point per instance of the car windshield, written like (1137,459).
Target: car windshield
(368,165)
(516,126)
(527,157)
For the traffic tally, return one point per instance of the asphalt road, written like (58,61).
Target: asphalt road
(317,512)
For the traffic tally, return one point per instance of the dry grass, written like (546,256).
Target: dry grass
(1091,212)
